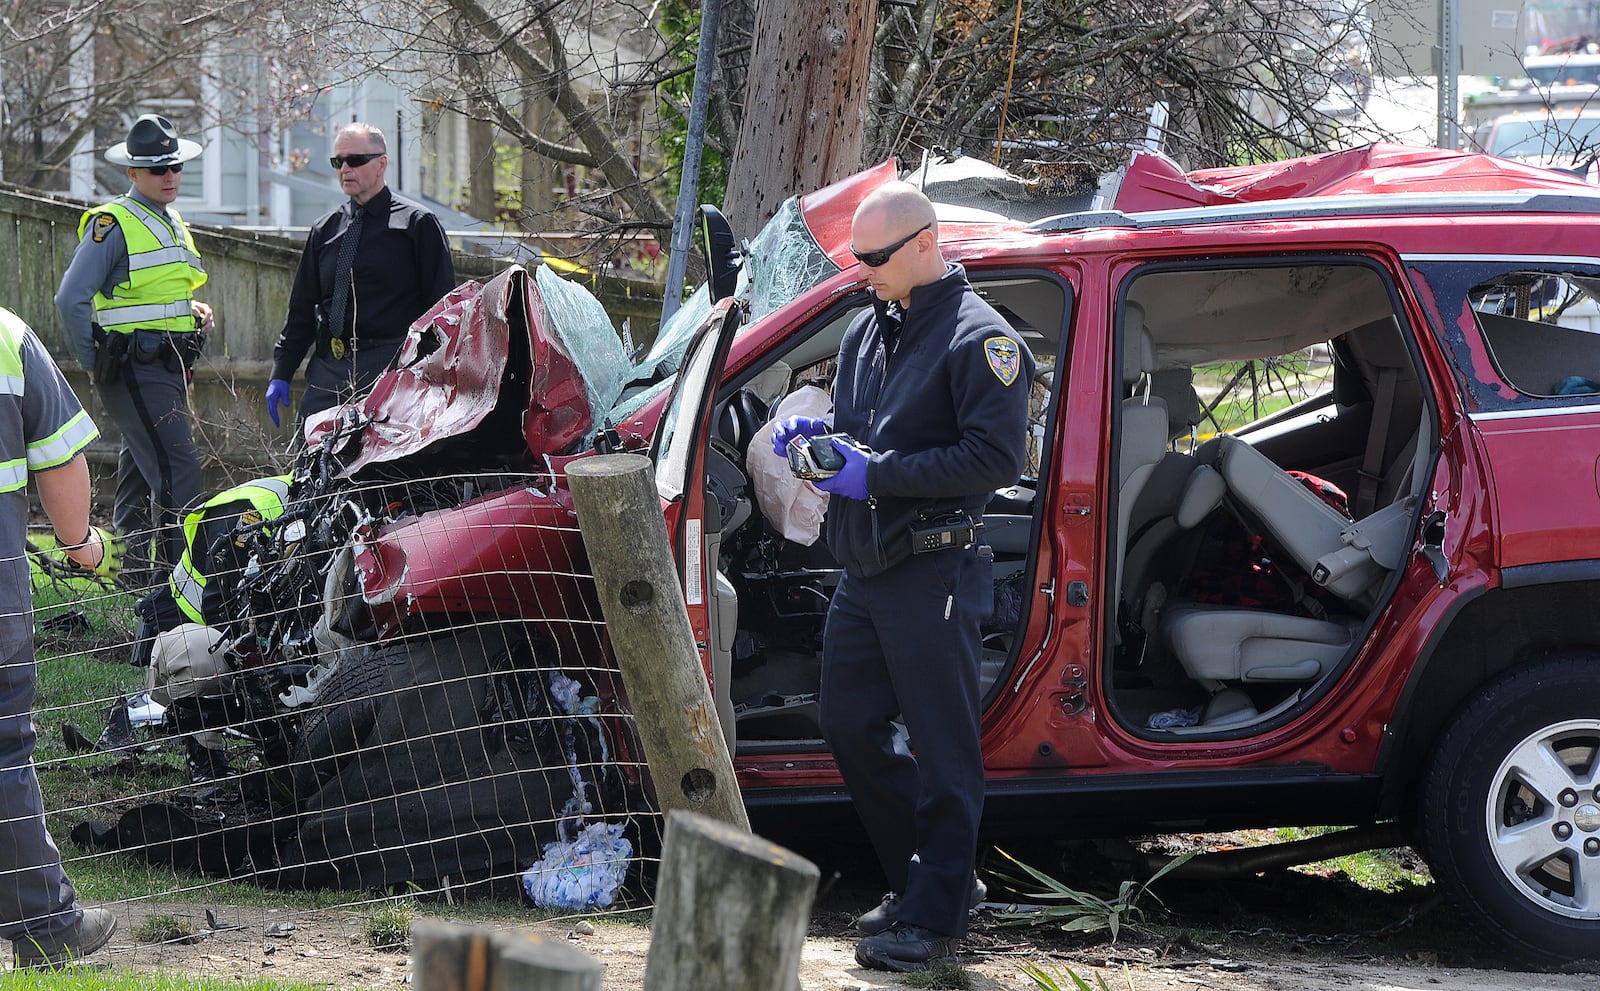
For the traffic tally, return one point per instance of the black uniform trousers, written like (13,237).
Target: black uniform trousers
(907,642)
(333,381)
(158,466)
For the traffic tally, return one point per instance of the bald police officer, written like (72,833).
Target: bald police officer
(933,387)
(128,310)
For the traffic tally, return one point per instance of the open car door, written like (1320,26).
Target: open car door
(678,451)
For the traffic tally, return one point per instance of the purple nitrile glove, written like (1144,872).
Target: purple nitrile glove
(795,426)
(277,395)
(851,482)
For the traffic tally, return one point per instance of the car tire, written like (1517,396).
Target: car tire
(1510,810)
(344,713)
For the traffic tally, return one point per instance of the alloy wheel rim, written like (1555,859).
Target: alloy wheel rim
(1543,818)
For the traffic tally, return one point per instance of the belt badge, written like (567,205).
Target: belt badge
(337,347)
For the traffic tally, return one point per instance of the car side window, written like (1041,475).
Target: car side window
(1520,334)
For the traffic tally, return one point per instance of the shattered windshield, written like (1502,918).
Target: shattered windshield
(782,262)
(584,329)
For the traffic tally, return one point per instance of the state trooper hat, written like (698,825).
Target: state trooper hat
(152,140)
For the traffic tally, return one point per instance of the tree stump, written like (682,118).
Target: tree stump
(731,910)
(450,957)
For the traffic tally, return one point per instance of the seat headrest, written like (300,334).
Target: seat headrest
(1138,347)
(1175,386)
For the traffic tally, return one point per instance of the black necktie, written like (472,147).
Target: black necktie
(342,273)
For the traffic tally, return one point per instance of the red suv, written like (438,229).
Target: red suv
(1368,600)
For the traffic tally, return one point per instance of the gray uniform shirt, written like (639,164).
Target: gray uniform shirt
(46,406)
(97,266)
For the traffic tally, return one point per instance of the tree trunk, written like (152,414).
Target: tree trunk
(448,956)
(641,599)
(803,121)
(480,182)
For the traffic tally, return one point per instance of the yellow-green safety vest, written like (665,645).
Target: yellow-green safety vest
(188,582)
(163,271)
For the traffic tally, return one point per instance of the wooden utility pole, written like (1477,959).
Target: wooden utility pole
(625,534)
(731,910)
(805,104)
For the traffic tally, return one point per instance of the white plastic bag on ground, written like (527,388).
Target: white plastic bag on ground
(789,504)
(583,874)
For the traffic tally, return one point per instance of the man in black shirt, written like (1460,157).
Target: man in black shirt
(369,270)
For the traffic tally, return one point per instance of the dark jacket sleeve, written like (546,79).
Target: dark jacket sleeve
(300,325)
(990,448)
(437,270)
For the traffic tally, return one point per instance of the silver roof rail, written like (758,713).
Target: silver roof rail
(1382,204)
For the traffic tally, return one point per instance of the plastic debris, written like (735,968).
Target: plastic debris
(1174,718)
(145,711)
(585,873)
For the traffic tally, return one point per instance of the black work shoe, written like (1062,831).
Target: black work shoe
(904,948)
(205,764)
(92,932)
(888,910)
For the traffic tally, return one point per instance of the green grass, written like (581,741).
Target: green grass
(1239,393)
(165,929)
(87,979)
(1068,979)
(77,689)
(388,925)
(58,590)
(1231,414)
(940,975)
(1388,871)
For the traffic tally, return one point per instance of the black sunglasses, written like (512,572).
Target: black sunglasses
(354,161)
(164,169)
(882,255)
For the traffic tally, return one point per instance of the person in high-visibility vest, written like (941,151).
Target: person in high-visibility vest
(203,577)
(179,624)
(43,431)
(130,318)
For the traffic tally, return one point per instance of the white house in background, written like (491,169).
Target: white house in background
(277,177)
(249,178)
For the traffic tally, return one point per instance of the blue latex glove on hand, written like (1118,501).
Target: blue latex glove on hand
(277,395)
(851,482)
(795,426)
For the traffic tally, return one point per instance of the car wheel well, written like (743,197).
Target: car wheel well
(1498,631)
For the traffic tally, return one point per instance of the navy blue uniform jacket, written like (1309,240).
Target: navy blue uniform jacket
(944,406)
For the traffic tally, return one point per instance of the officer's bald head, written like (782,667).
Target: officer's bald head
(895,237)
(901,208)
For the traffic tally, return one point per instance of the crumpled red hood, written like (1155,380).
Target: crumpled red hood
(451,373)
(1154,182)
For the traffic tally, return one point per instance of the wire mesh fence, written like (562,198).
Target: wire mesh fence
(399,692)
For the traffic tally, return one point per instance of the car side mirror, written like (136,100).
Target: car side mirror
(721,250)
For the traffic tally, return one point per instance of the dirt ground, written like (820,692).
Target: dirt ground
(1285,931)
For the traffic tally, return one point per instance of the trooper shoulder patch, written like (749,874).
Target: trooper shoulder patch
(103,222)
(1004,359)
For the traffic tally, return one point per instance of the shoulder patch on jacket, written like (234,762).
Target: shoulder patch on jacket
(1004,359)
(103,222)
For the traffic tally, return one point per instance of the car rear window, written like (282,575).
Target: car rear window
(1542,330)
